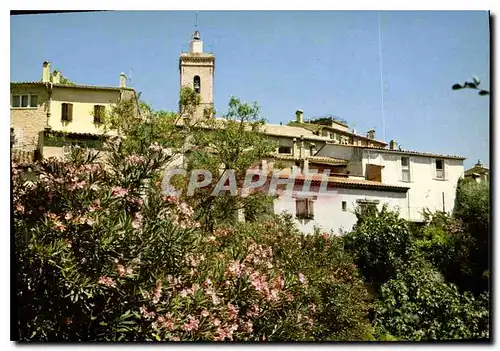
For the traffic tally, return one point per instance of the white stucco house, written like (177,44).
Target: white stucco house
(407,181)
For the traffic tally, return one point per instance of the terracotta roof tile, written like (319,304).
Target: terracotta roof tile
(348,182)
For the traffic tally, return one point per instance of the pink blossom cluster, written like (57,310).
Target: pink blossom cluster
(118,191)
(135,159)
(107,281)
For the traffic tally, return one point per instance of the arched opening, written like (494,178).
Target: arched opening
(197,84)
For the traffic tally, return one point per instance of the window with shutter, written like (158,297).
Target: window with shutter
(24,100)
(67,112)
(98,114)
(405,169)
(440,169)
(300,208)
(304,208)
(33,100)
(16,101)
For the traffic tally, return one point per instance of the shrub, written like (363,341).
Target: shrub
(102,255)
(380,242)
(418,305)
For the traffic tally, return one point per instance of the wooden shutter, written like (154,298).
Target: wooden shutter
(64,112)
(300,208)
(70,112)
(98,113)
(310,208)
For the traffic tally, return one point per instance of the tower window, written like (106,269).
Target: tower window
(197,84)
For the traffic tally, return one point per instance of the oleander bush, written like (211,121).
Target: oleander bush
(102,255)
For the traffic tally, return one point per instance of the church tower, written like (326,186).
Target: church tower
(197,71)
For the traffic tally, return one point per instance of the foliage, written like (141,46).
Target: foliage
(416,300)
(102,255)
(234,143)
(380,242)
(417,305)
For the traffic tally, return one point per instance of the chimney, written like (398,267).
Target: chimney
(46,72)
(371,134)
(123,80)
(393,145)
(300,116)
(56,77)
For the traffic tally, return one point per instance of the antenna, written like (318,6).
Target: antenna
(381,73)
(130,74)
(196,21)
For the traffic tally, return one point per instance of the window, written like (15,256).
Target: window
(197,84)
(67,112)
(27,100)
(405,169)
(33,100)
(304,208)
(98,114)
(285,150)
(367,207)
(344,206)
(16,101)
(440,169)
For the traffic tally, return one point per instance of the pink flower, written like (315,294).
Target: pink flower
(312,307)
(205,313)
(326,235)
(68,216)
(233,311)
(119,191)
(51,215)
(235,269)
(253,311)
(107,281)
(171,199)
(258,282)
(59,226)
(157,292)
(20,208)
(247,327)
(137,221)
(191,325)
(145,313)
(302,279)
(216,322)
(120,270)
(176,338)
(134,159)
(95,206)
(167,322)
(186,210)
(194,288)
(184,293)
(222,334)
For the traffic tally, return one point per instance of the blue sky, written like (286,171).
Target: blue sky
(321,62)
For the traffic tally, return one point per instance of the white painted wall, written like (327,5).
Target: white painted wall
(425,190)
(328,213)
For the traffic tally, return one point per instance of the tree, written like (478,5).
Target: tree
(380,242)
(417,305)
(223,146)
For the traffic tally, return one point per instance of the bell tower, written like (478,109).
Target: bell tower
(197,71)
